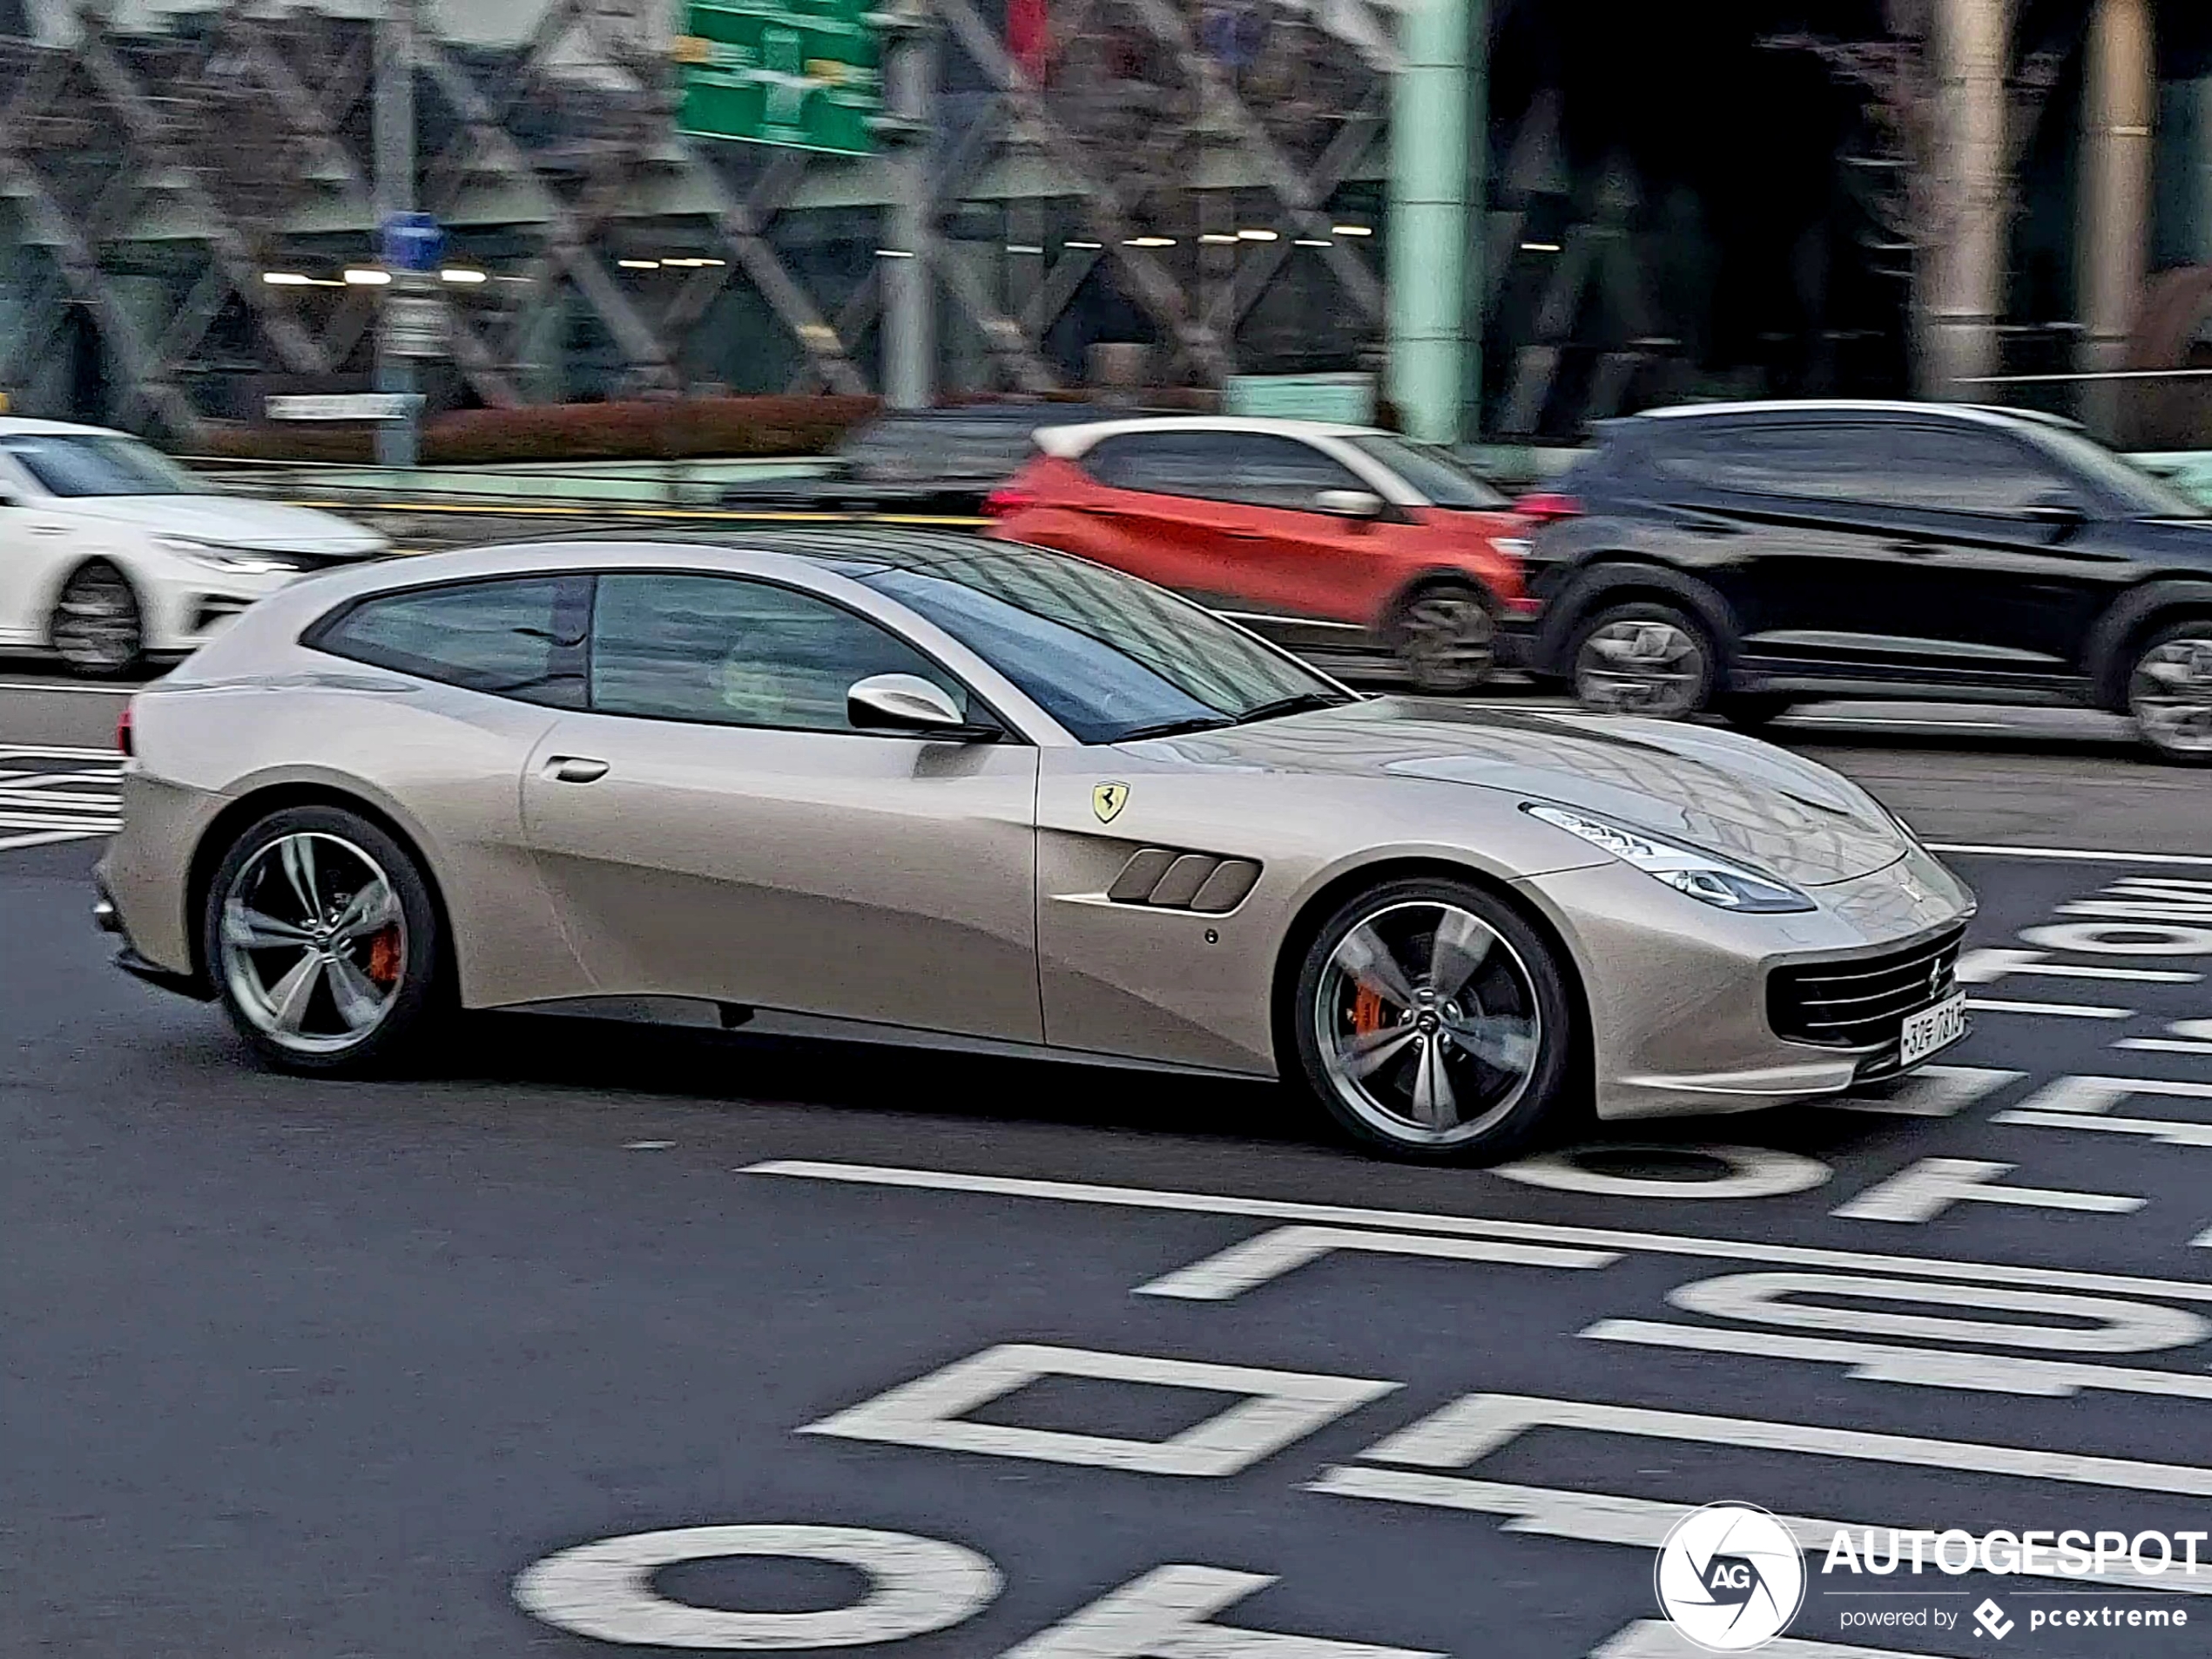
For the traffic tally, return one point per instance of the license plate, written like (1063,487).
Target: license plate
(1932,1028)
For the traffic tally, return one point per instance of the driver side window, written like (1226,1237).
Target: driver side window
(723,650)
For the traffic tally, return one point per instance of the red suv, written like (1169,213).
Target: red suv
(1319,535)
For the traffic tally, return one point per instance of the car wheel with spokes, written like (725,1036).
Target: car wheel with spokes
(325,943)
(97,627)
(1445,639)
(2169,692)
(1433,1022)
(1646,658)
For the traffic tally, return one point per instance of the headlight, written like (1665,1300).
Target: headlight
(238,561)
(1709,880)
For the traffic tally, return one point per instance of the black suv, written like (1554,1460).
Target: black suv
(1744,557)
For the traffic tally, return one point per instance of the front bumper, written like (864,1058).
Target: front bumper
(1677,991)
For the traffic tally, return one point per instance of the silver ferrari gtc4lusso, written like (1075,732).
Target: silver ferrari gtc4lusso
(900,786)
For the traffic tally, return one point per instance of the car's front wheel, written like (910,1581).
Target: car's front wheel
(1647,658)
(2169,691)
(97,627)
(1433,1021)
(325,943)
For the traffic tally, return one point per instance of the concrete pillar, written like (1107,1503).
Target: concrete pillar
(910,284)
(2112,238)
(1963,257)
(1437,140)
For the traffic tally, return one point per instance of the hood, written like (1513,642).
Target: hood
(232,520)
(1713,790)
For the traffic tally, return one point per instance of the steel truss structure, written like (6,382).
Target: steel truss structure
(1173,172)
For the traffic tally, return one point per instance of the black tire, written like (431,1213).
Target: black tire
(98,626)
(1502,1041)
(1753,711)
(410,977)
(2169,691)
(1445,635)
(1667,668)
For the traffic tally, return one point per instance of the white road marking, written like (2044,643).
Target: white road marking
(1256,1261)
(1933,1091)
(2164,1045)
(2102,1094)
(1996,1373)
(1991,963)
(1932,1185)
(2067,854)
(605,1589)
(47,838)
(2165,1131)
(1536,1232)
(2050,1010)
(1282,1406)
(1164,1614)
(2123,938)
(1754,1172)
(62,751)
(1658,1639)
(2108,1325)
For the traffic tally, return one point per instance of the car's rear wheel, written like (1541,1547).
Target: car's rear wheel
(325,943)
(2169,691)
(1645,658)
(1445,639)
(1433,1021)
(97,627)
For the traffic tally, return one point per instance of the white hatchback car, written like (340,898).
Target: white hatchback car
(110,550)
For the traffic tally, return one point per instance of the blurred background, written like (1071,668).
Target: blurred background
(691,226)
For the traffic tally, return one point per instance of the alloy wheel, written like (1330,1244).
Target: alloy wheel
(1640,665)
(1428,1023)
(2170,694)
(1447,641)
(97,627)
(313,943)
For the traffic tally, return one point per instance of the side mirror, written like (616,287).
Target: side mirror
(910,704)
(1348,503)
(2058,513)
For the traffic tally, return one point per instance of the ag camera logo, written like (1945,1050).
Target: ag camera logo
(1731,1576)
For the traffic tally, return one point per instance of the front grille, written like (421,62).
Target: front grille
(1860,1003)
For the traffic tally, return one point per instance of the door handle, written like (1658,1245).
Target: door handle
(1246,535)
(1915,549)
(575,769)
(49,530)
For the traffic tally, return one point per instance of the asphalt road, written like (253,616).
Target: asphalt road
(324,1369)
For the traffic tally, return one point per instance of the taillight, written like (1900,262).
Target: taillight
(1546,506)
(1007,498)
(124,741)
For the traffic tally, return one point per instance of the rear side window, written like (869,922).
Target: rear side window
(518,636)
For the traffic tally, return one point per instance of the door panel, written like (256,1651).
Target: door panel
(864,877)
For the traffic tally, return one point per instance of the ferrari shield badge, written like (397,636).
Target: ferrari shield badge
(1108,799)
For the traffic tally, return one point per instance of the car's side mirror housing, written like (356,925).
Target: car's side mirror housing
(1349,503)
(910,705)
(2058,513)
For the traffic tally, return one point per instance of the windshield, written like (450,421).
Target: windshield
(88,464)
(1109,656)
(2140,494)
(1436,472)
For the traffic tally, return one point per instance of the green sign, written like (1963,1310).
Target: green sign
(1346,400)
(800,72)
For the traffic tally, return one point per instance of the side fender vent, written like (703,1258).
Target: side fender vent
(1167,879)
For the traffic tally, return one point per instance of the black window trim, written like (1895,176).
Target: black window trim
(312,636)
